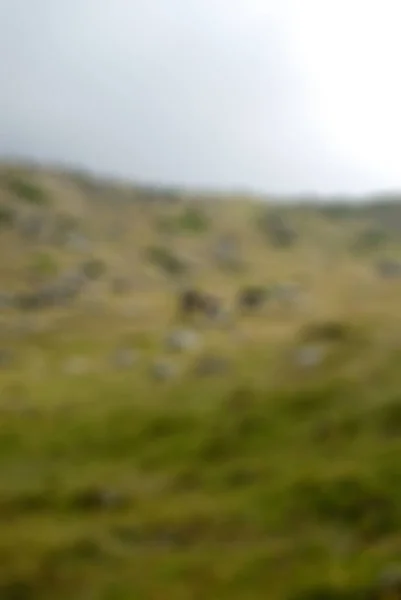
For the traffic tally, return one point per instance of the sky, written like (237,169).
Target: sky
(277,96)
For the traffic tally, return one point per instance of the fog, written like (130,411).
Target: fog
(286,96)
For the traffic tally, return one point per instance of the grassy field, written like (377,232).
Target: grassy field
(268,480)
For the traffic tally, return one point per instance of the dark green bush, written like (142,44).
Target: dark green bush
(165,260)
(94,268)
(193,220)
(7,217)
(348,501)
(27,191)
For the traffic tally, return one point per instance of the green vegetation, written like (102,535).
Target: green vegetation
(264,464)
(166,260)
(369,240)
(191,220)
(113,488)
(194,220)
(94,268)
(7,217)
(26,190)
(44,265)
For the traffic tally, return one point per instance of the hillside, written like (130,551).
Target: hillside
(251,451)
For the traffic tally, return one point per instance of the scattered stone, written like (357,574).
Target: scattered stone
(125,358)
(227,253)
(278,231)
(289,294)
(211,365)
(389,269)
(183,339)
(99,499)
(59,292)
(77,242)
(77,365)
(121,285)
(163,370)
(309,356)
(7,300)
(32,227)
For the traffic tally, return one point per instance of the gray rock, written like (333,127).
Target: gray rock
(100,499)
(76,365)
(389,269)
(163,370)
(183,339)
(277,230)
(59,292)
(121,285)
(211,365)
(32,227)
(389,581)
(288,293)
(125,358)
(7,300)
(227,253)
(78,242)
(310,356)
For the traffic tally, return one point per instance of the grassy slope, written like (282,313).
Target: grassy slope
(265,483)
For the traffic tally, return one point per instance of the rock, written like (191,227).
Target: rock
(76,365)
(289,294)
(120,285)
(125,358)
(7,300)
(277,230)
(211,365)
(32,227)
(163,370)
(389,269)
(183,339)
(99,499)
(227,253)
(59,292)
(309,356)
(78,242)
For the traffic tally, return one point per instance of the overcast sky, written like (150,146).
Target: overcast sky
(271,95)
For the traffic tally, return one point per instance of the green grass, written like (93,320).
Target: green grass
(225,487)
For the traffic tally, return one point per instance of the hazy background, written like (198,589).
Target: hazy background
(281,96)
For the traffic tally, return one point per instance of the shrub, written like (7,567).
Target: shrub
(369,240)
(7,217)
(276,230)
(94,268)
(349,501)
(193,220)
(165,260)
(27,191)
(44,265)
